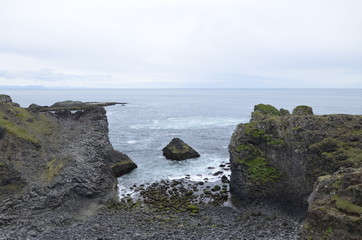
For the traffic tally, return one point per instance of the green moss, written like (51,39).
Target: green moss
(53,168)
(302,110)
(266,109)
(259,170)
(347,206)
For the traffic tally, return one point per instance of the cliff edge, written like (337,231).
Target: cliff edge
(55,167)
(277,157)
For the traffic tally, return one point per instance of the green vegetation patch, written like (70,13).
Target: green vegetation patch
(260,172)
(266,109)
(347,206)
(24,124)
(256,163)
(54,167)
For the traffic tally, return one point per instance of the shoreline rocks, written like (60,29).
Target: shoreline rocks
(179,150)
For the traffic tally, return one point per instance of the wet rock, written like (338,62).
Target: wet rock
(224,179)
(179,150)
(120,163)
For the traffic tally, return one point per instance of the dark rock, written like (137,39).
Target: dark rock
(178,150)
(335,211)
(54,168)
(218,173)
(68,103)
(224,179)
(35,107)
(302,110)
(278,159)
(120,163)
(5,98)
(284,112)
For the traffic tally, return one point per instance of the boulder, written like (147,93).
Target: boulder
(179,150)
(302,110)
(5,98)
(335,207)
(120,163)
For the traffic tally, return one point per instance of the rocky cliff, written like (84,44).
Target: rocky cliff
(55,167)
(277,157)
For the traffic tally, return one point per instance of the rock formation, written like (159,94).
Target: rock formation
(55,167)
(277,159)
(178,150)
(335,207)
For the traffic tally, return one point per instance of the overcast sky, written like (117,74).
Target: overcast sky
(181,43)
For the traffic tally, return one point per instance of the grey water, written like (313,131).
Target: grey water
(203,118)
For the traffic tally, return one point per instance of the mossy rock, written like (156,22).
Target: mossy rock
(179,150)
(302,110)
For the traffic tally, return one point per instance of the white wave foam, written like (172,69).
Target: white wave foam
(197,122)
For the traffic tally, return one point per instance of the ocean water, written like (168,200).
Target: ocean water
(203,118)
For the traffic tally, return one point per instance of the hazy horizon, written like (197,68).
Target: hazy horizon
(181,44)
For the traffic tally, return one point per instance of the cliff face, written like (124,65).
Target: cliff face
(54,167)
(277,157)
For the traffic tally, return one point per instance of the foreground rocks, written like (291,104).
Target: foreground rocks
(335,207)
(277,158)
(55,168)
(179,150)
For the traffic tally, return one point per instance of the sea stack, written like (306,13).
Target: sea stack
(179,150)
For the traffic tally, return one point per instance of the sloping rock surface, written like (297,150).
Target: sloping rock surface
(54,168)
(179,150)
(277,158)
(335,207)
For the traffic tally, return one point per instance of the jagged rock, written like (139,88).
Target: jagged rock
(284,112)
(120,163)
(277,159)
(54,167)
(335,207)
(302,110)
(179,150)
(5,98)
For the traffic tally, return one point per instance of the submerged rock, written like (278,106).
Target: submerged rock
(179,150)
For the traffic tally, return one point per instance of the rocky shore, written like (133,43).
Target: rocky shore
(58,180)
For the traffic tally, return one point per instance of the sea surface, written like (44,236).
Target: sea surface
(203,118)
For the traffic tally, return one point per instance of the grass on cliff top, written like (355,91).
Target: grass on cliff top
(24,124)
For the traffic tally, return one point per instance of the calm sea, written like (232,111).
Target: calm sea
(203,118)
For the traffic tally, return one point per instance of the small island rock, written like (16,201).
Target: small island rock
(179,150)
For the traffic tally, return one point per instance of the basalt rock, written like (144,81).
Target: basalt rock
(179,150)
(120,163)
(55,168)
(335,207)
(277,159)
